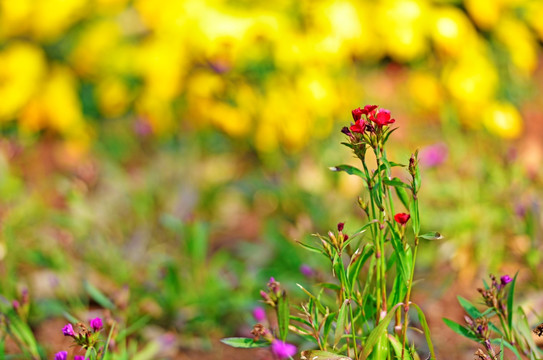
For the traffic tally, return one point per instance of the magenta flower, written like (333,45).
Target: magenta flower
(282,349)
(357,114)
(259,314)
(506,279)
(68,330)
(306,270)
(63,355)
(96,324)
(80,357)
(359,126)
(433,155)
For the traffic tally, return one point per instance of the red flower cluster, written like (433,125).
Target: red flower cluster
(381,117)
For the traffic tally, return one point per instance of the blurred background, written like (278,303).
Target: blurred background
(169,154)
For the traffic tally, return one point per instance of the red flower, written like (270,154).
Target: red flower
(368,109)
(357,114)
(359,126)
(381,117)
(402,218)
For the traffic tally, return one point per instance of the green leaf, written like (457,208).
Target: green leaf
(98,296)
(322,355)
(402,195)
(395,182)
(426,330)
(378,331)
(503,342)
(244,343)
(365,227)
(381,349)
(283,315)
(510,301)
(397,347)
(431,236)
(351,170)
(311,248)
(317,302)
(414,212)
(461,330)
(469,307)
(340,323)
(353,271)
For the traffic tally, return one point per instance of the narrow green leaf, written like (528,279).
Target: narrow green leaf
(377,332)
(340,323)
(426,330)
(317,302)
(351,170)
(402,195)
(98,296)
(505,343)
(353,271)
(311,248)
(381,349)
(510,301)
(431,236)
(244,343)
(283,315)
(469,307)
(461,330)
(322,355)
(414,212)
(365,227)
(396,183)
(397,348)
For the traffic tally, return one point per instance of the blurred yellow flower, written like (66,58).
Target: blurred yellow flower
(403,26)
(425,90)
(52,17)
(57,106)
(15,17)
(503,119)
(485,13)
(452,31)
(113,96)
(22,67)
(520,43)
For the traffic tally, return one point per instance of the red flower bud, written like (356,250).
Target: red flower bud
(402,218)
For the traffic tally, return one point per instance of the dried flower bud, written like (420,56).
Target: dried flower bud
(340,226)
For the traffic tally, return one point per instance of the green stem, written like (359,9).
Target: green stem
(408,296)
(353,330)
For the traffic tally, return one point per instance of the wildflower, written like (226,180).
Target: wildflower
(306,270)
(340,226)
(359,126)
(259,314)
(346,131)
(402,218)
(506,279)
(357,114)
(368,109)
(68,330)
(63,355)
(282,349)
(274,286)
(96,324)
(381,117)
(433,155)
(16,305)
(80,357)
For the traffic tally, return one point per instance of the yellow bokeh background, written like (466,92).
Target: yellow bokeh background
(278,74)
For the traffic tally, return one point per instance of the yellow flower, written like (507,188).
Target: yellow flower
(425,89)
(485,13)
(452,31)
(52,17)
(15,17)
(520,42)
(503,119)
(113,96)
(22,67)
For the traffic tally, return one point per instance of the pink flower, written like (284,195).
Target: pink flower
(63,355)
(96,324)
(282,350)
(259,314)
(80,357)
(381,117)
(68,330)
(402,218)
(306,270)
(433,155)
(368,109)
(506,279)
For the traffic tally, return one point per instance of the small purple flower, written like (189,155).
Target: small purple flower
(259,314)
(96,324)
(16,304)
(80,357)
(306,270)
(68,330)
(506,279)
(433,155)
(282,349)
(63,355)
